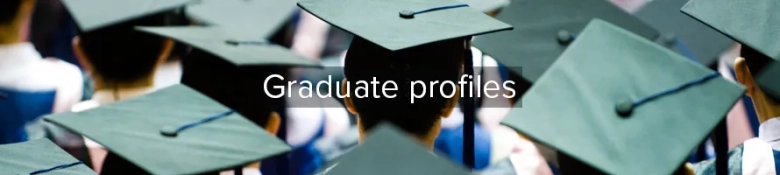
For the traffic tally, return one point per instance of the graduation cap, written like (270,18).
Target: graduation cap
(175,130)
(751,23)
(257,17)
(544,28)
(682,33)
(390,151)
(94,14)
(39,156)
(630,106)
(231,67)
(397,24)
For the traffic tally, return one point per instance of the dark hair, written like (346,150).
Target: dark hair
(119,53)
(8,10)
(239,88)
(756,61)
(439,61)
(521,85)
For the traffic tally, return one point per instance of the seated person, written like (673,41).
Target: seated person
(756,69)
(122,64)
(30,86)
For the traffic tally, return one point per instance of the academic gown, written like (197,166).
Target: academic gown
(755,156)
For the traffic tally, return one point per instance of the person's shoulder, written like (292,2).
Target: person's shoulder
(62,70)
(66,78)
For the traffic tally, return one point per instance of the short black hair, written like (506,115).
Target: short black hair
(8,10)
(119,53)
(439,61)
(756,61)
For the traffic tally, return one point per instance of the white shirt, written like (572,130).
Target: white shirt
(23,68)
(769,132)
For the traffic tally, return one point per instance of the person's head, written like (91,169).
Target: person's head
(434,62)
(14,18)
(746,67)
(120,56)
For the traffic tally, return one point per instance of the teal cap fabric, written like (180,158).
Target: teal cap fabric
(139,131)
(754,24)
(38,156)
(252,17)
(236,48)
(545,28)
(382,22)
(579,106)
(94,14)
(682,33)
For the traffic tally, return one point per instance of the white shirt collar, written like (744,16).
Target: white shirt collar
(769,131)
(15,55)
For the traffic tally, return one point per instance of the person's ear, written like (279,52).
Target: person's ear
(168,45)
(274,121)
(80,55)
(744,76)
(347,98)
(451,104)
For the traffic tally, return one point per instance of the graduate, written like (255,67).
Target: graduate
(232,72)
(30,86)
(403,48)
(625,111)
(756,69)
(526,53)
(175,130)
(120,60)
(698,42)
(303,120)
(493,141)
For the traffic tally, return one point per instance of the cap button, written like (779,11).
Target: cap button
(668,39)
(565,37)
(625,108)
(169,131)
(406,14)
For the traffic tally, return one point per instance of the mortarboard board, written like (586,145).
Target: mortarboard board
(95,14)
(682,33)
(397,25)
(751,23)
(175,130)
(226,45)
(231,67)
(258,17)
(388,150)
(630,106)
(487,5)
(543,29)
(39,157)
